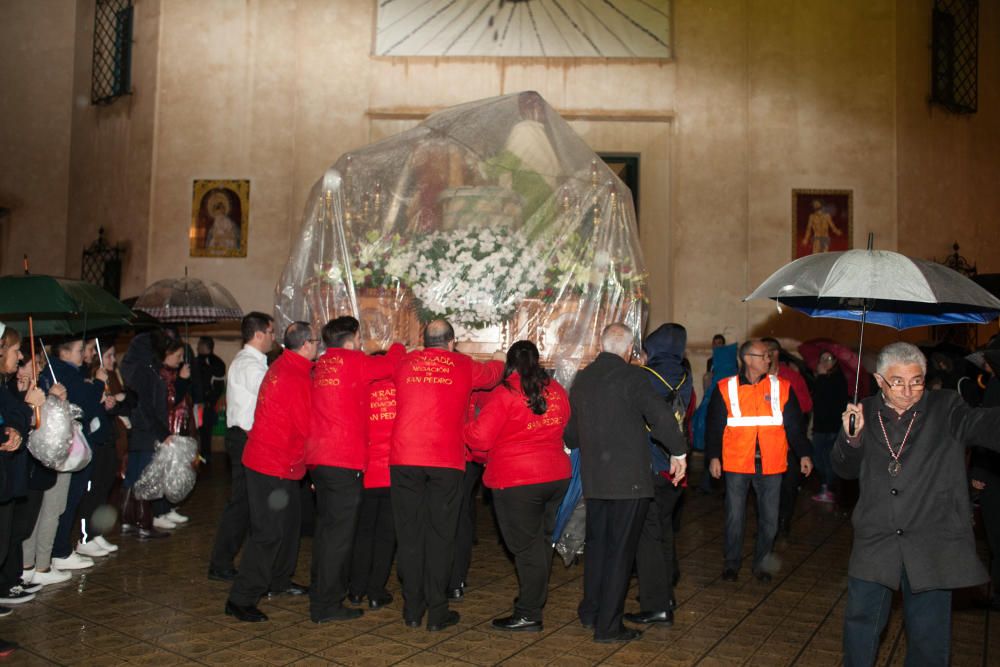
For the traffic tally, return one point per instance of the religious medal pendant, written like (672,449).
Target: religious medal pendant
(894,468)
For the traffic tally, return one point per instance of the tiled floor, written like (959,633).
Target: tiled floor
(151,604)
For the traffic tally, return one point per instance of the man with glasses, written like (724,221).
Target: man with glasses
(752,419)
(912,524)
(242,384)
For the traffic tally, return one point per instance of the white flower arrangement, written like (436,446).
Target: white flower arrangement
(474,277)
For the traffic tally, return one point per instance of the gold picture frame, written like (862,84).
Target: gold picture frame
(822,221)
(220,215)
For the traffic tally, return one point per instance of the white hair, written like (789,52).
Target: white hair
(900,353)
(616,339)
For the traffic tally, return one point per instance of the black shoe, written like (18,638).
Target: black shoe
(586,625)
(5,611)
(624,635)
(659,617)
(379,601)
(337,614)
(129,528)
(355,599)
(729,574)
(517,624)
(248,613)
(151,534)
(456,594)
(292,589)
(763,577)
(222,575)
(448,621)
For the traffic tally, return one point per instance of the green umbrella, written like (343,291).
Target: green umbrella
(58,306)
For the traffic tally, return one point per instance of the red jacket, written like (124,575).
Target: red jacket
(275,445)
(787,372)
(432,395)
(521,447)
(338,433)
(381,417)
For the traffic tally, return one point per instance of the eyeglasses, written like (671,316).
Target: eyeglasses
(916,384)
(756,354)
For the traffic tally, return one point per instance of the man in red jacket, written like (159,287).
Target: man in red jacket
(274,458)
(335,454)
(426,466)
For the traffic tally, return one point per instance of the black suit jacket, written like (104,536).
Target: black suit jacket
(611,402)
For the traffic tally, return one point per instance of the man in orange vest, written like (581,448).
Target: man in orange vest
(752,419)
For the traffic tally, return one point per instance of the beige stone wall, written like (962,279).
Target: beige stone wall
(36,99)
(949,165)
(112,151)
(763,97)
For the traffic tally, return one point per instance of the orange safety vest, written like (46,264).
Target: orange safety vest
(754,416)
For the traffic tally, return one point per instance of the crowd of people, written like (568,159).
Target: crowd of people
(54,518)
(391,447)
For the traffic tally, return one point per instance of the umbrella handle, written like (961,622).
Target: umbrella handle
(851,425)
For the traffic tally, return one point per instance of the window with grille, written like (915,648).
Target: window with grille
(112,75)
(955,55)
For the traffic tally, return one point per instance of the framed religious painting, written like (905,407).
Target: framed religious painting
(220,215)
(821,221)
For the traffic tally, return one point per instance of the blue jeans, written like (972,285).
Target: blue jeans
(822,446)
(768,490)
(927,616)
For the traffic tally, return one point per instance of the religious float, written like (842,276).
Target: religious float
(494,215)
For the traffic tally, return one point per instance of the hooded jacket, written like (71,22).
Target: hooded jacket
(665,355)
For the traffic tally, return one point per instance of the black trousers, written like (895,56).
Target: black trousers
(465,533)
(208,420)
(338,499)
(62,547)
(790,481)
(235,519)
(527,517)
(655,556)
(613,528)
(269,557)
(102,478)
(22,524)
(425,505)
(374,544)
(6,533)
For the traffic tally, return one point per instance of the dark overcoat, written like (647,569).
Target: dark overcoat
(921,519)
(610,404)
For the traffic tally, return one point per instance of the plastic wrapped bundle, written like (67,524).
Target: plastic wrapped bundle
(180,475)
(169,474)
(58,443)
(493,214)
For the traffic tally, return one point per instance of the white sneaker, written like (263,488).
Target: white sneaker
(72,562)
(104,544)
(163,523)
(30,587)
(91,549)
(176,517)
(53,576)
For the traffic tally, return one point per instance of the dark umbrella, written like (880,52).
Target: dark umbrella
(879,286)
(188,301)
(847,359)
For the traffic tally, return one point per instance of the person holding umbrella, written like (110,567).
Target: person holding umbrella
(912,528)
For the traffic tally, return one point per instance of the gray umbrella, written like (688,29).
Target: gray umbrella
(189,301)
(881,287)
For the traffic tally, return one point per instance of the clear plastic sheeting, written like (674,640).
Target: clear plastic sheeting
(494,214)
(170,474)
(58,442)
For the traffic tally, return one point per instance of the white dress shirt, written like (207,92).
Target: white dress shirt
(246,372)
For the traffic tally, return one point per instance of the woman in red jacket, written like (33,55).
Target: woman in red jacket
(519,435)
